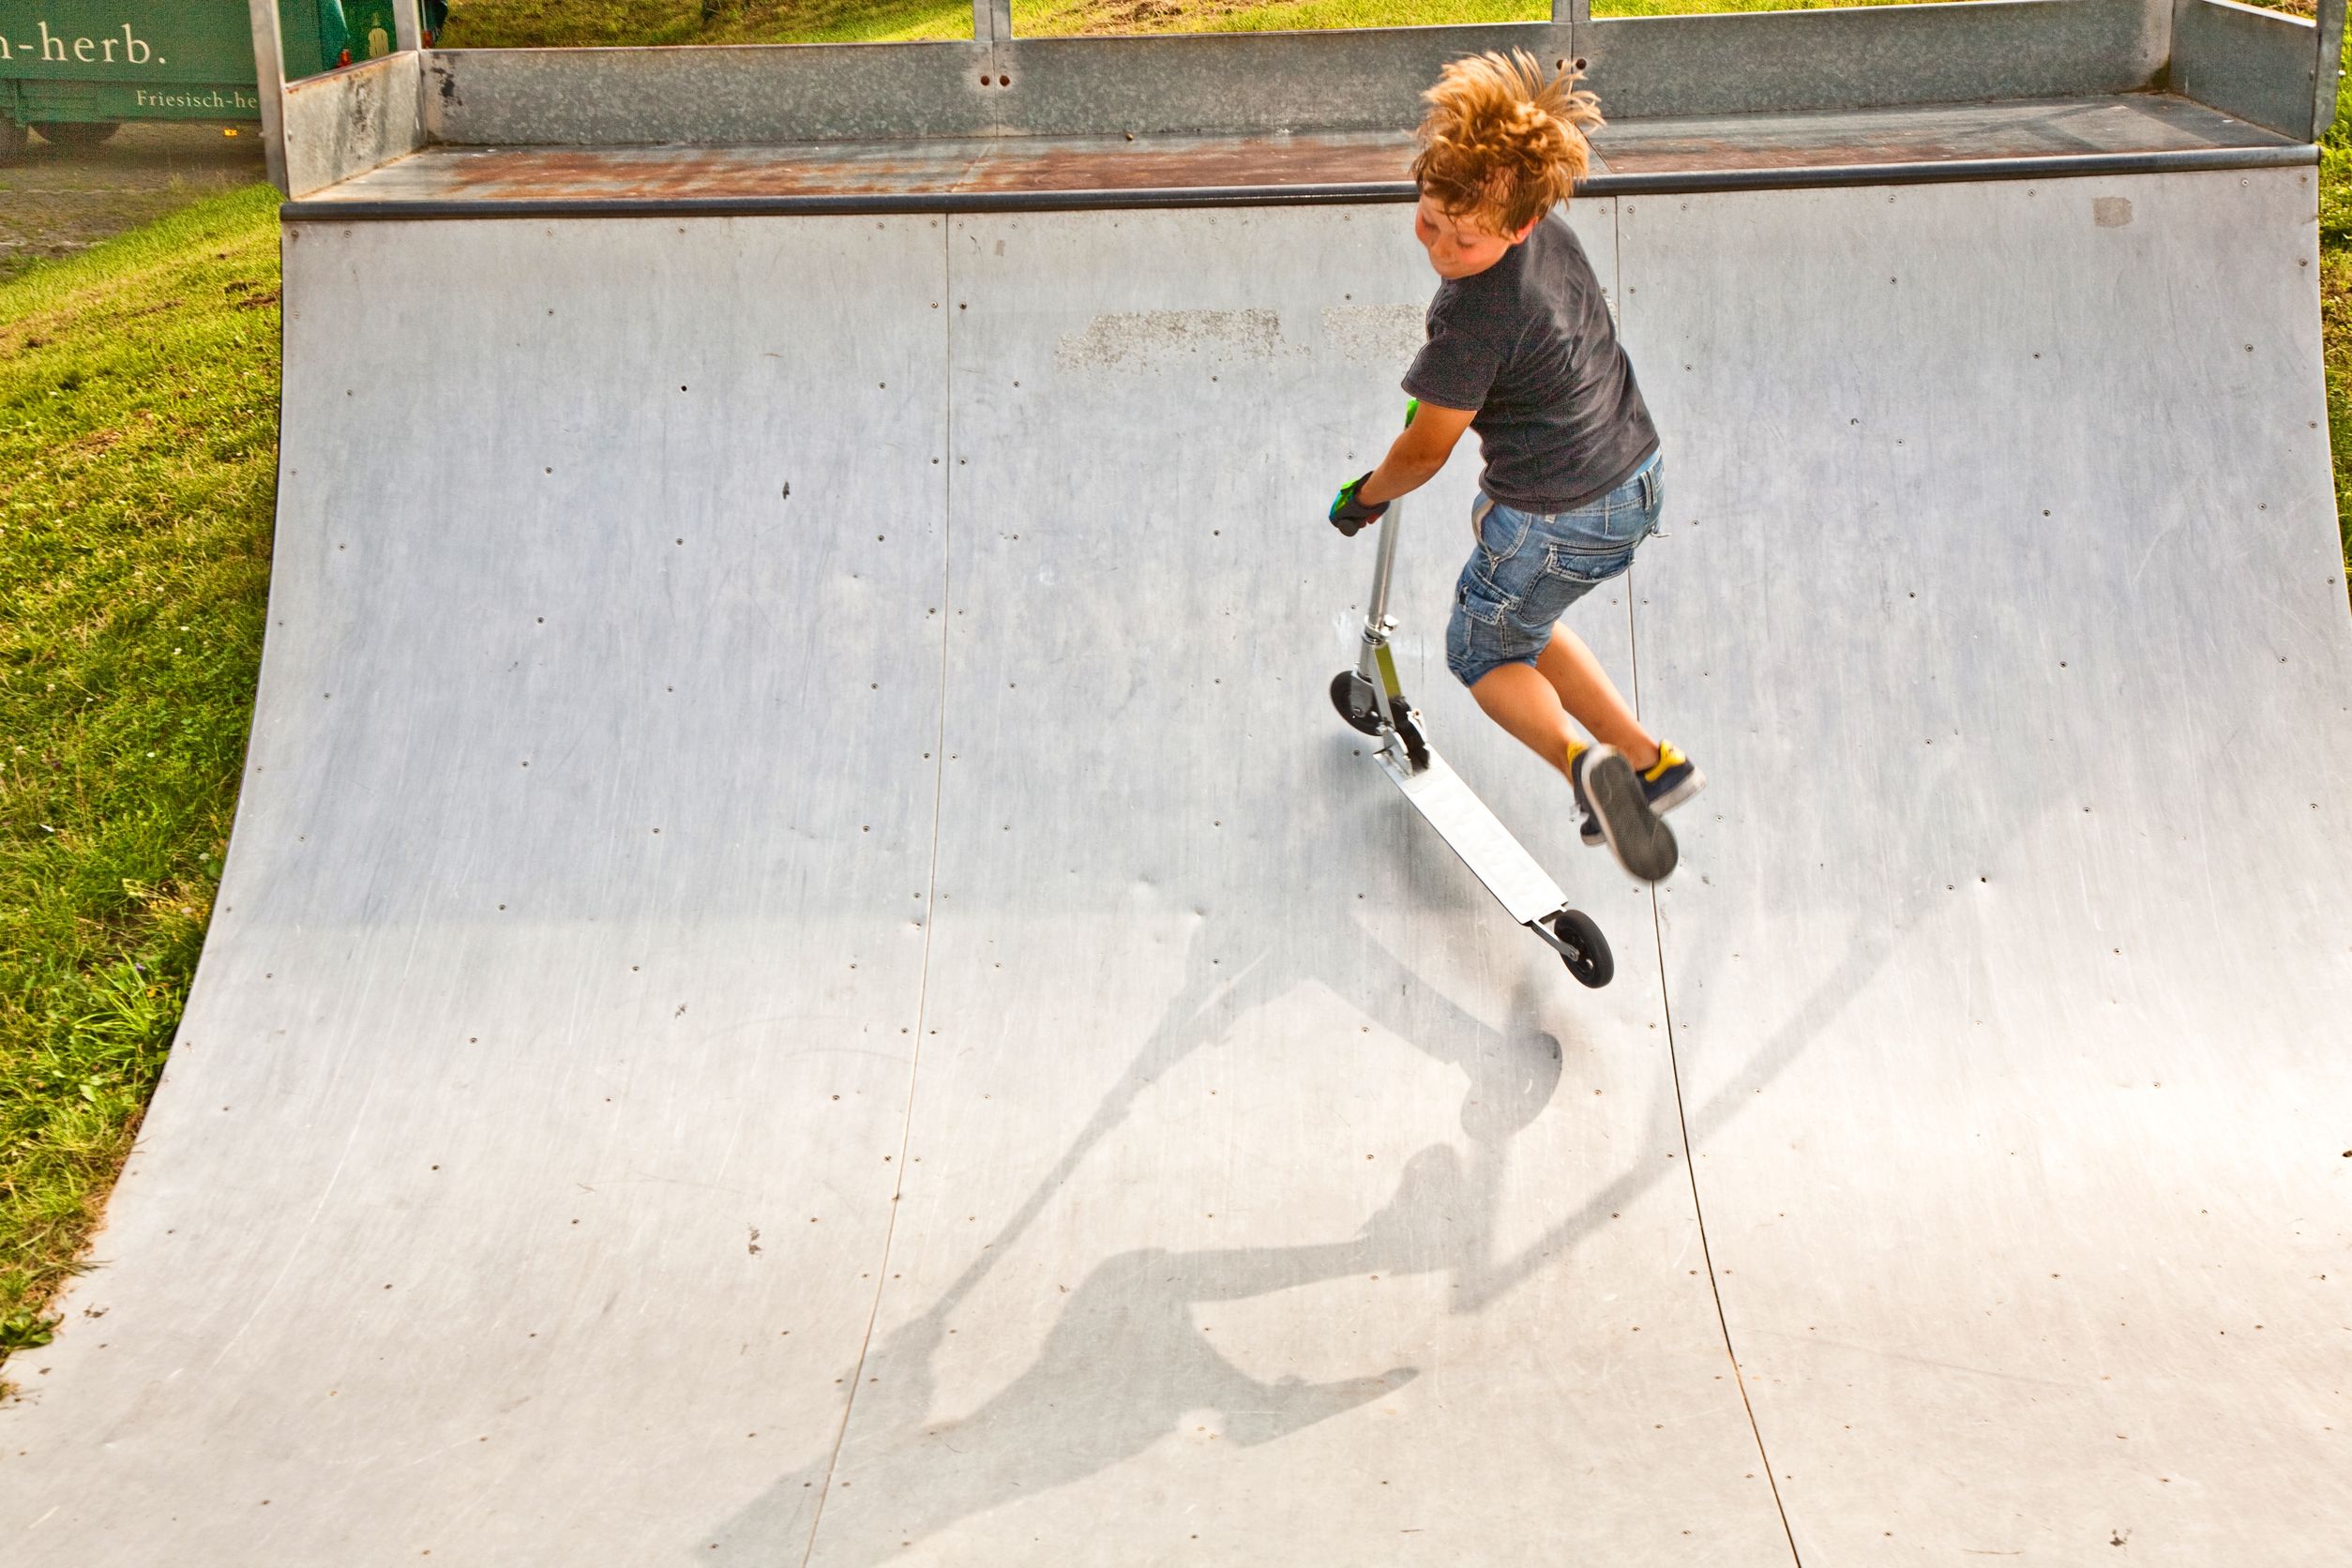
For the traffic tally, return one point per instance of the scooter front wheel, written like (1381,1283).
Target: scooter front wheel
(1588,958)
(1352,694)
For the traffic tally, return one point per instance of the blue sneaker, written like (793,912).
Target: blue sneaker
(1617,809)
(1672,780)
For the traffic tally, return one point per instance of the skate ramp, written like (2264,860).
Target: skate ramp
(806,975)
(2011,998)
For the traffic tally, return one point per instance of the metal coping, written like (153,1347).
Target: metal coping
(1666,182)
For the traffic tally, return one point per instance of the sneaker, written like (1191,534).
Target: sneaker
(1610,794)
(1674,779)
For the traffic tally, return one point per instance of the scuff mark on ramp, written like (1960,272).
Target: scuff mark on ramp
(1153,339)
(1375,334)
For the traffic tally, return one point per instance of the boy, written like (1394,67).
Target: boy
(1521,348)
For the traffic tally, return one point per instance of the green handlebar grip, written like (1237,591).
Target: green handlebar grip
(1412,406)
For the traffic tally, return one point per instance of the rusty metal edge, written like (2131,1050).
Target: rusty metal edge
(1695,182)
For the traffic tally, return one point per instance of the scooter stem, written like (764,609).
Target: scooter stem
(1376,621)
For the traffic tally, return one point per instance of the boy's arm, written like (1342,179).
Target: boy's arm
(1416,456)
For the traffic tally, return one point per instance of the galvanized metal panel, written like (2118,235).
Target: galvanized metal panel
(1367,80)
(516,1186)
(2258,65)
(1271,1198)
(269,74)
(349,122)
(779,93)
(1765,61)
(2006,609)
(2330,73)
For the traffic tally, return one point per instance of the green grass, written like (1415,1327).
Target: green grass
(2335,293)
(555,23)
(616,23)
(54,201)
(1049,17)
(138,442)
(138,430)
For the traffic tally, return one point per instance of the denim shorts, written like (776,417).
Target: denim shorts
(1530,566)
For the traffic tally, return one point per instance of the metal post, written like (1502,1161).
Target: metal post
(270,85)
(408,26)
(2323,107)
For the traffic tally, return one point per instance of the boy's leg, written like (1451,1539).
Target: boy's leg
(1566,682)
(1582,688)
(1525,703)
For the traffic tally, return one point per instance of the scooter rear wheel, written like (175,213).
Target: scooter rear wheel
(1590,960)
(1352,696)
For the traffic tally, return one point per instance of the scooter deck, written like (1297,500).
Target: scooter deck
(1511,874)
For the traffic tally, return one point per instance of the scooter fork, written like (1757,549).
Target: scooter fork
(1375,665)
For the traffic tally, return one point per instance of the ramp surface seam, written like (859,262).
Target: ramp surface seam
(1682,1116)
(1698,1212)
(930,893)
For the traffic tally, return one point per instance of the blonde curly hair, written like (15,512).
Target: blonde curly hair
(1503,142)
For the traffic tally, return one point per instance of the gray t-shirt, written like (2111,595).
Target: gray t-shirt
(1529,344)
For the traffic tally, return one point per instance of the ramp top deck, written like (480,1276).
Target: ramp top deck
(2119,133)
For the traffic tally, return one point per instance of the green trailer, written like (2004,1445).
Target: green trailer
(74,70)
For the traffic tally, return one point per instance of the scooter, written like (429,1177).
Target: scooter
(1369,698)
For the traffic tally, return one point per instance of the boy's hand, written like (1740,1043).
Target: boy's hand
(1351,515)
(1430,433)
